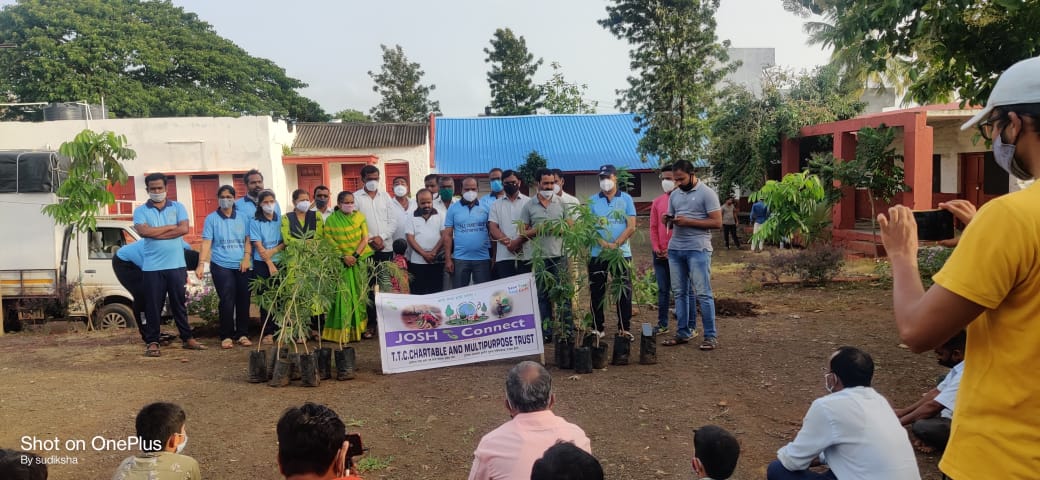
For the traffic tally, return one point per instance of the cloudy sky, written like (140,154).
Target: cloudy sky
(332,44)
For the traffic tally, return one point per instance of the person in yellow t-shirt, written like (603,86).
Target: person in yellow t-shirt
(991,285)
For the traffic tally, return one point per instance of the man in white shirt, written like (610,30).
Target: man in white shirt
(423,231)
(445,195)
(378,208)
(930,417)
(853,430)
(405,207)
(505,212)
(569,201)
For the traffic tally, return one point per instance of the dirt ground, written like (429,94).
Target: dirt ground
(425,425)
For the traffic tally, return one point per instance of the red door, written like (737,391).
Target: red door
(171,187)
(308,177)
(351,177)
(394,170)
(982,179)
(203,198)
(125,196)
(239,183)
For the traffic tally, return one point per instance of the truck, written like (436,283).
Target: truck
(42,263)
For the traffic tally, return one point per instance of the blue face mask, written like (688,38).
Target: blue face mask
(496,186)
(1004,154)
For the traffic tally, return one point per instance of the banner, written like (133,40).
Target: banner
(489,321)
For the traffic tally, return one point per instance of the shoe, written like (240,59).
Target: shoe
(709,343)
(192,344)
(600,333)
(244,341)
(663,330)
(227,344)
(152,350)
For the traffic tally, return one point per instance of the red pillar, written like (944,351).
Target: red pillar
(790,149)
(917,162)
(843,216)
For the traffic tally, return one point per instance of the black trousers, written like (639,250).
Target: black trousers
(158,285)
(934,432)
(730,231)
(508,268)
(426,278)
(370,309)
(598,274)
(269,325)
(130,277)
(233,290)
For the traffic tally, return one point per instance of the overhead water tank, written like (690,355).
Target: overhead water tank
(73,111)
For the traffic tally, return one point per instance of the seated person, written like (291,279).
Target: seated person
(16,465)
(163,437)
(715,453)
(853,430)
(929,418)
(509,451)
(565,461)
(312,444)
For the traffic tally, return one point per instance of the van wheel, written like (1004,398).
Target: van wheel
(114,315)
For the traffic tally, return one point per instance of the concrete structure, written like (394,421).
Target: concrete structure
(940,162)
(754,62)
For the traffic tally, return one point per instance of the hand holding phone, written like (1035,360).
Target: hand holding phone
(934,225)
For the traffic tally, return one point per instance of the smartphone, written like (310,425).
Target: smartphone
(668,219)
(356,448)
(934,225)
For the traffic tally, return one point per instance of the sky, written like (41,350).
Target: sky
(332,44)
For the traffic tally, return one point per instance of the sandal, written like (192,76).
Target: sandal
(152,350)
(367,335)
(709,344)
(227,344)
(192,344)
(671,342)
(267,340)
(244,341)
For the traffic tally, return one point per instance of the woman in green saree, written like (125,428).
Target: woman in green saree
(347,230)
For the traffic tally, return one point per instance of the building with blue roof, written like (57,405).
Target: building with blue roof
(576,144)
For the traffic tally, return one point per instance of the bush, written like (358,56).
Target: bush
(204,302)
(644,287)
(818,264)
(930,260)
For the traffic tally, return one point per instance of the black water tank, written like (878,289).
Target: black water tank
(72,111)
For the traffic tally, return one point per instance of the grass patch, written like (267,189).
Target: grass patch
(373,463)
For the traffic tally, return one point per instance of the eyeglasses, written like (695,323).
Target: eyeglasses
(986,128)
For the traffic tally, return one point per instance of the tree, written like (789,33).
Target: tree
(792,202)
(95,163)
(678,62)
(513,91)
(529,169)
(949,48)
(352,116)
(404,98)
(144,58)
(562,96)
(746,130)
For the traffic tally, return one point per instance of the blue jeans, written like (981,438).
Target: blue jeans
(776,471)
(479,270)
(691,275)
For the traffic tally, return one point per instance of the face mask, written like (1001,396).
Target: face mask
(446,194)
(496,186)
(547,193)
(321,204)
(827,383)
(180,448)
(372,185)
(606,185)
(268,208)
(226,203)
(469,196)
(1004,154)
(303,206)
(556,189)
(512,189)
(157,197)
(347,208)
(686,187)
(400,190)
(667,186)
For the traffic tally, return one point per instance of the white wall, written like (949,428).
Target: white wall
(175,146)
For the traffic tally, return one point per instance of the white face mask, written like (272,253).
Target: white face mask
(268,208)
(180,447)
(372,185)
(157,197)
(556,189)
(606,184)
(303,205)
(547,193)
(667,185)
(469,196)
(226,203)
(400,190)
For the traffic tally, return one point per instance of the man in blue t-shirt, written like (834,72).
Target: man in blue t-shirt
(466,243)
(246,206)
(759,215)
(617,212)
(126,264)
(161,223)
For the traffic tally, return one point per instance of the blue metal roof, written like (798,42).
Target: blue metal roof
(572,143)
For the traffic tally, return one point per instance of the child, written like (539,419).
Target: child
(160,427)
(715,453)
(399,248)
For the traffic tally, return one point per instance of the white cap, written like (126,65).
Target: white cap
(1020,83)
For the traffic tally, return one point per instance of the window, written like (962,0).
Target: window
(351,177)
(635,185)
(104,242)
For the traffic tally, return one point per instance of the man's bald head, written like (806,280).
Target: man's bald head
(529,387)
